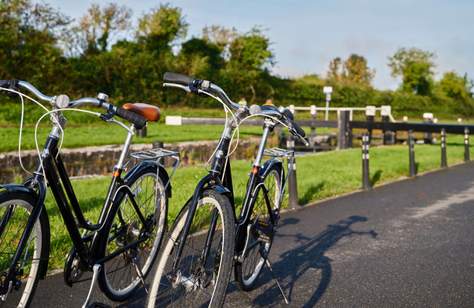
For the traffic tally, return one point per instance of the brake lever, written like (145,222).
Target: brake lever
(302,139)
(306,143)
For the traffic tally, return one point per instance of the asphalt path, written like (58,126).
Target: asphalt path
(406,244)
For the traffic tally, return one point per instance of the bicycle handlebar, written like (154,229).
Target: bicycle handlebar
(282,114)
(14,84)
(190,84)
(134,118)
(177,79)
(294,125)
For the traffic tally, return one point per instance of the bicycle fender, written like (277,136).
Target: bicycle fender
(221,189)
(269,164)
(162,173)
(19,188)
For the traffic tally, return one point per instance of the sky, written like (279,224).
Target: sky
(306,35)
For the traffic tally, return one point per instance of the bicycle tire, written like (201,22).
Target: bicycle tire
(249,268)
(121,232)
(39,237)
(200,277)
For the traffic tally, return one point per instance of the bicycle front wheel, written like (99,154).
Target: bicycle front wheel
(198,279)
(136,242)
(261,228)
(15,209)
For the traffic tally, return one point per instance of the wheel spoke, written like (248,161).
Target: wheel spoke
(192,283)
(121,276)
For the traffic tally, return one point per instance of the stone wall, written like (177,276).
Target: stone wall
(101,160)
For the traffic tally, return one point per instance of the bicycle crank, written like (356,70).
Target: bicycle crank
(72,268)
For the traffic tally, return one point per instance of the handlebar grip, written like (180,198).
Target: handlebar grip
(132,117)
(298,129)
(177,78)
(11,84)
(288,114)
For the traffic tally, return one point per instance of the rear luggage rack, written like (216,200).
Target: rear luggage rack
(278,152)
(155,154)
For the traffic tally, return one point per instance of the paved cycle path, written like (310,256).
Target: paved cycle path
(406,244)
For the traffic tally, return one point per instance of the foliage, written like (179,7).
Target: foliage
(106,51)
(28,36)
(354,70)
(99,24)
(162,26)
(416,67)
(357,71)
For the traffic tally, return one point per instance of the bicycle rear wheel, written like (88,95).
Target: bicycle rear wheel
(123,274)
(15,209)
(260,230)
(196,282)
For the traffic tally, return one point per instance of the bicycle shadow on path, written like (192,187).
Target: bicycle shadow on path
(307,258)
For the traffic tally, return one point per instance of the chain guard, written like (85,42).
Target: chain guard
(73,268)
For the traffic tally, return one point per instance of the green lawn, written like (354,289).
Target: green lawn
(85,130)
(102,134)
(319,175)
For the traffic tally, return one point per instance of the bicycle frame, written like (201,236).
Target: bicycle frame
(57,177)
(220,179)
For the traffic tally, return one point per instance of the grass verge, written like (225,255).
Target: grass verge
(319,175)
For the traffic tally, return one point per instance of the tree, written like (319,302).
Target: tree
(357,71)
(335,70)
(415,67)
(250,58)
(219,35)
(162,26)
(251,50)
(28,42)
(455,86)
(200,57)
(99,25)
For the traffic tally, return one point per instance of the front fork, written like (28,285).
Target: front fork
(10,279)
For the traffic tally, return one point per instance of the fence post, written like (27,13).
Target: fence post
(467,156)
(411,154)
(444,160)
(365,162)
(292,184)
(388,136)
(344,134)
(313,127)
(370,116)
(428,118)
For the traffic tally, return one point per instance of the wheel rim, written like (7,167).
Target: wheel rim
(254,259)
(30,259)
(192,284)
(121,274)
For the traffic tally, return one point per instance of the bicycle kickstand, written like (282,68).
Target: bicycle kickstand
(95,276)
(140,274)
(269,265)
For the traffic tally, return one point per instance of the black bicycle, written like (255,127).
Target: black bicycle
(120,248)
(207,238)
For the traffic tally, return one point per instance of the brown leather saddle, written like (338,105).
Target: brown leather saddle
(149,112)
